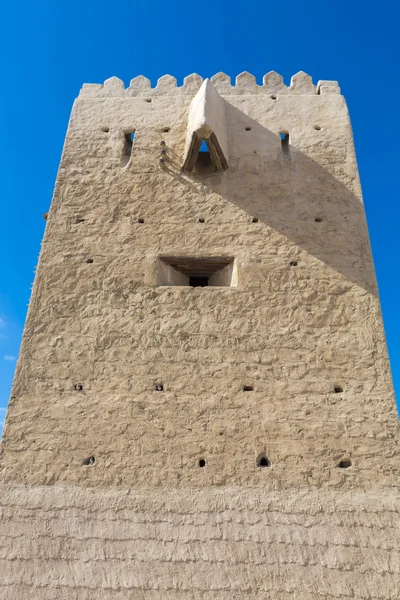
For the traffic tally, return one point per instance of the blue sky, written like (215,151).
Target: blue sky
(50,48)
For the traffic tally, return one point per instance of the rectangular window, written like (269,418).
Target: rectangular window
(196,272)
(285,143)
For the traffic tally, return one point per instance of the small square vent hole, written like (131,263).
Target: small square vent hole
(196,272)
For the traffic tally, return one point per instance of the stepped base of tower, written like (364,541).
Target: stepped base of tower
(67,542)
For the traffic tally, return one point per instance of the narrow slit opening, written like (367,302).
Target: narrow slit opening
(284,143)
(129,138)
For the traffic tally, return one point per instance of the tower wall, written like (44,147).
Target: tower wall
(300,325)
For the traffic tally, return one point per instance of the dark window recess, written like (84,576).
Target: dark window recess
(285,143)
(195,272)
(195,281)
(338,389)
(248,388)
(202,463)
(344,464)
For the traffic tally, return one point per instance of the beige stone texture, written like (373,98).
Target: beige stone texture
(297,321)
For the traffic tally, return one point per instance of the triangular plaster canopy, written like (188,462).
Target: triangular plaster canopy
(206,122)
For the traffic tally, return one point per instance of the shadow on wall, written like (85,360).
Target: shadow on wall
(294,195)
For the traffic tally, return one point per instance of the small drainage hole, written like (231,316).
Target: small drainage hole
(273,97)
(140,220)
(247,388)
(166,129)
(248,128)
(344,464)
(159,387)
(338,389)
(89,461)
(318,220)
(105,129)
(254,220)
(263,462)
(202,463)
(89,261)
(78,387)
(147,100)
(317,127)
(293,263)
(201,220)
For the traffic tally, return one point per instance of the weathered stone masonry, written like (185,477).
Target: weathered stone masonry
(171,439)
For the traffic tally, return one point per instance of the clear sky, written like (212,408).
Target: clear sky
(49,48)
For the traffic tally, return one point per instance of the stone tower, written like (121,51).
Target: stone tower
(202,407)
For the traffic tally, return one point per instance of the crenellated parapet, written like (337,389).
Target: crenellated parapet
(245,83)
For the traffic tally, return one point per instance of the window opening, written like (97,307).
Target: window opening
(344,464)
(196,271)
(202,463)
(203,161)
(128,143)
(285,143)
